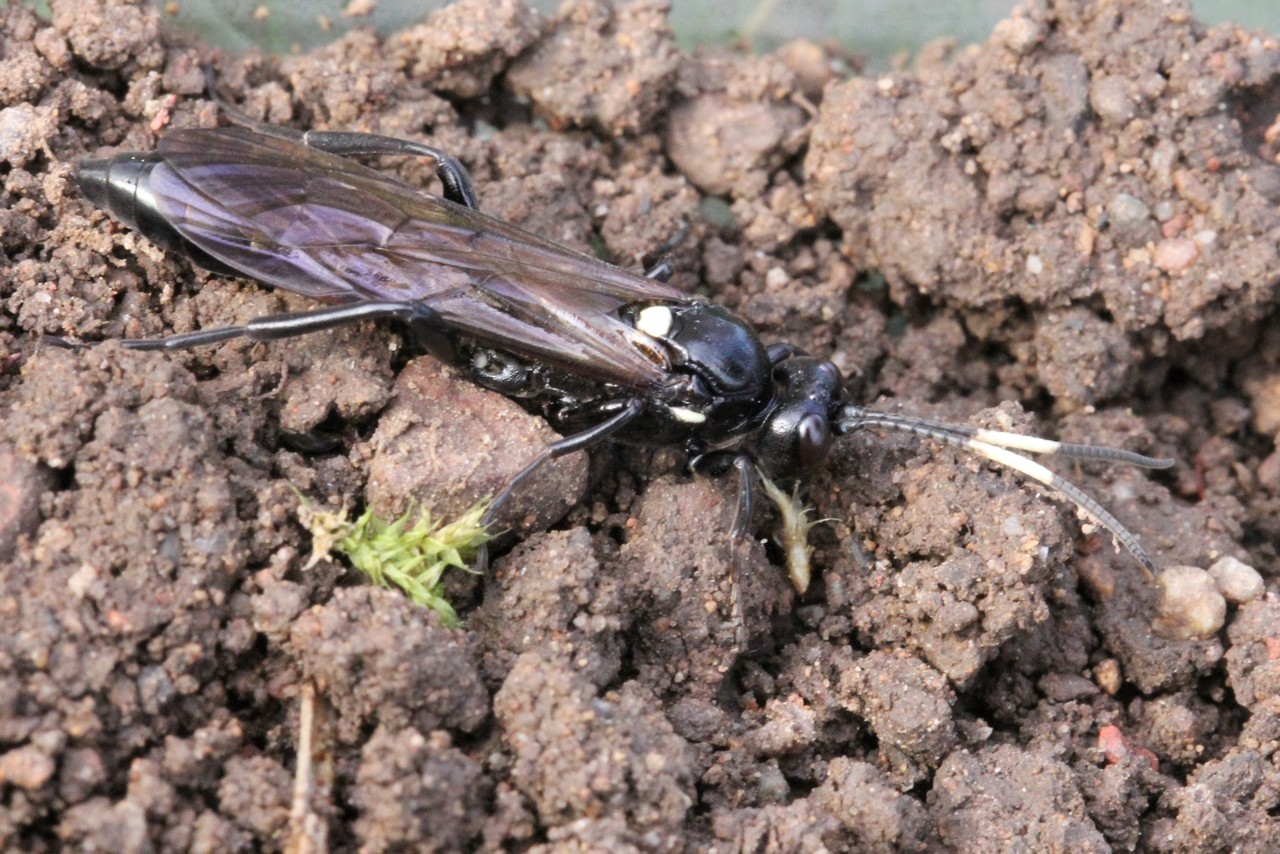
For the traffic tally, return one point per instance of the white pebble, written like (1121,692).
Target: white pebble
(775,278)
(1237,581)
(1190,605)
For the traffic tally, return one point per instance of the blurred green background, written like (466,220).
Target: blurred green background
(875,29)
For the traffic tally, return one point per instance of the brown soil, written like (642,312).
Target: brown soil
(1080,215)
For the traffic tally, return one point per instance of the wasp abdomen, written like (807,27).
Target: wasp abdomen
(121,185)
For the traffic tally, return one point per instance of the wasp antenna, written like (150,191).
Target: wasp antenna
(1088,506)
(1000,447)
(855,417)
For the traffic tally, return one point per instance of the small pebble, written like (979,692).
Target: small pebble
(1129,220)
(1269,473)
(1108,676)
(1164,211)
(813,66)
(1017,33)
(1266,406)
(772,786)
(1237,581)
(1176,254)
(1205,237)
(26,767)
(1190,605)
(1126,209)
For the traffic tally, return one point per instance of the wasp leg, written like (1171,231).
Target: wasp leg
(589,438)
(420,319)
(737,540)
(661,271)
(452,174)
(657,265)
(782,351)
(711,463)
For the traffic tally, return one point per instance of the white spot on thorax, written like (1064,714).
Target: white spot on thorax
(688,416)
(654,321)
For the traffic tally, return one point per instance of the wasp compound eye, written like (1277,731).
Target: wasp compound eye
(813,440)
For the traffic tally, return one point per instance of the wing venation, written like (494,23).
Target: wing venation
(331,229)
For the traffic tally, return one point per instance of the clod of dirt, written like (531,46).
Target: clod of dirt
(100,825)
(737,126)
(55,410)
(611,67)
(458,50)
(677,569)
(877,818)
(1179,728)
(1224,796)
(257,790)
(581,755)
(21,485)
(1253,659)
(23,130)
(1051,170)
(980,594)
(790,726)
(329,375)
(26,767)
(444,443)
(908,706)
(549,594)
(1032,791)
(428,677)
(417,791)
(1086,360)
(110,35)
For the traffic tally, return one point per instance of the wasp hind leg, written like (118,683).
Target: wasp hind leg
(452,174)
(716,463)
(422,321)
(631,409)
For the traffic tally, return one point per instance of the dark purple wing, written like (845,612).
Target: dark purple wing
(328,228)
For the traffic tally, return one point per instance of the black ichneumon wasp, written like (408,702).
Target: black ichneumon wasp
(604,354)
